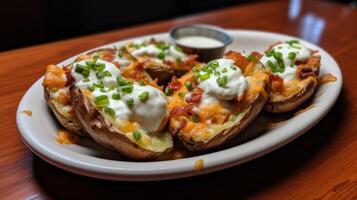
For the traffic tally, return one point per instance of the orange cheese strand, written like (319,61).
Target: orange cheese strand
(27,112)
(54,77)
(327,78)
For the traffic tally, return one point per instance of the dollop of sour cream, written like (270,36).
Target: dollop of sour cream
(233,85)
(199,42)
(159,52)
(291,51)
(147,110)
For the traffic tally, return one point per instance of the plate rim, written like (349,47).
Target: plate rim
(151,174)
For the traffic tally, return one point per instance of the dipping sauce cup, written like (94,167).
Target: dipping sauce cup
(208,42)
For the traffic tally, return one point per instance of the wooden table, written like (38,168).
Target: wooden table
(320,164)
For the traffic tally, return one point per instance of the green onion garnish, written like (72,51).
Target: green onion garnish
(91,88)
(86,79)
(101,101)
(234,68)
(107,73)
(188,85)
(141,83)
(292,56)
(116,96)
(109,111)
(137,135)
(178,49)
(144,96)
(222,81)
(178,60)
(161,55)
(168,91)
(204,76)
(130,102)
(98,85)
(127,89)
(181,94)
(224,70)
(252,58)
(195,118)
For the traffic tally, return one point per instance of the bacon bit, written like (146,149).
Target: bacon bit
(27,112)
(66,137)
(300,62)
(257,55)
(195,96)
(327,78)
(178,111)
(199,165)
(108,54)
(183,123)
(54,77)
(174,84)
(241,61)
(277,83)
(304,71)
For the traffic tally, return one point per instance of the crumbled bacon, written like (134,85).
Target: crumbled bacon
(257,55)
(304,71)
(195,96)
(277,83)
(241,61)
(174,84)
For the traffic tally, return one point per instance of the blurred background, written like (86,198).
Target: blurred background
(29,22)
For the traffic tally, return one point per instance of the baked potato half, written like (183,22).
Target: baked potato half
(119,113)
(56,90)
(214,102)
(294,71)
(160,59)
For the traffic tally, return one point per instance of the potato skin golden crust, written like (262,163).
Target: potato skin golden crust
(292,102)
(71,125)
(103,132)
(256,105)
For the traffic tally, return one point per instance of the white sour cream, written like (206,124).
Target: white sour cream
(302,53)
(236,82)
(108,81)
(150,50)
(199,41)
(149,114)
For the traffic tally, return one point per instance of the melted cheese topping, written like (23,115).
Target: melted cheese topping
(290,54)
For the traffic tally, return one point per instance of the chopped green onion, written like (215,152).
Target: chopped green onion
(168,91)
(137,135)
(222,81)
(217,73)
(204,76)
(224,70)
(195,118)
(233,117)
(144,96)
(109,111)
(178,60)
(181,94)
(116,96)
(86,79)
(123,82)
(178,49)
(141,83)
(95,58)
(161,55)
(123,48)
(91,88)
(214,64)
(252,58)
(98,85)
(127,89)
(107,73)
(292,42)
(292,56)
(130,102)
(101,101)
(103,90)
(188,85)
(162,46)
(99,75)
(233,67)
(99,67)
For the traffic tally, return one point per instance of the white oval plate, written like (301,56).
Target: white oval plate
(89,159)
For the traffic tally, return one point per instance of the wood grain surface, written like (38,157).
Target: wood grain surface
(321,164)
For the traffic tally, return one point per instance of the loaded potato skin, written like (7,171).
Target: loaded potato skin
(294,72)
(215,102)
